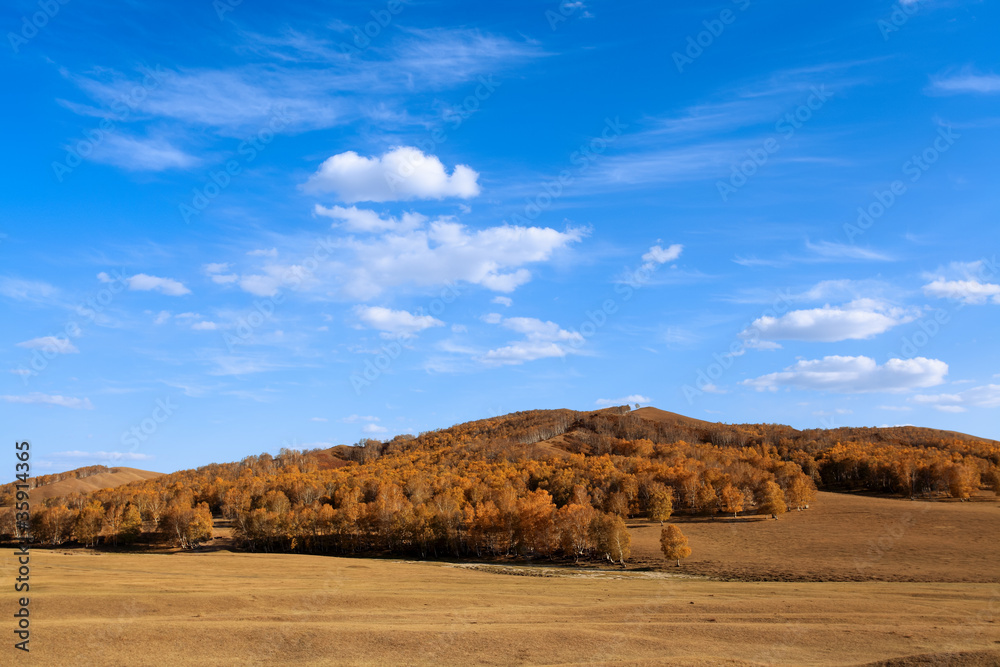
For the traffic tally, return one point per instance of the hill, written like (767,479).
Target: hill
(80,480)
(552,484)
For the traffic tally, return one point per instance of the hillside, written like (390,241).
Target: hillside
(550,484)
(80,480)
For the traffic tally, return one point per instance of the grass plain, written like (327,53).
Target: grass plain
(929,596)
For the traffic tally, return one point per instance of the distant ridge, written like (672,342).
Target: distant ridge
(114,477)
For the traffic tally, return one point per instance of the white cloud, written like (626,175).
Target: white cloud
(986,396)
(219,273)
(658,255)
(114,456)
(492,318)
(263,252)
(967,83)
(363,220)
(503,301)
(858,320)
(403,173)
(448,252)
(353,419)
(51,344)
(318,419)
(374,428)
(142,154)
(849,375)
(48,399)
(541,340)
(965,282)
(26,290)
(145,283)
(398,323)
(966,291)
(204,326)
(627,400)
(832,250)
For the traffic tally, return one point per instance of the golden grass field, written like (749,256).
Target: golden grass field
(934,600)
(221,608)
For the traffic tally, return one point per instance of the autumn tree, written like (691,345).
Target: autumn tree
(674,544)
(772,500)
(131,525)
(89,523)
(611,538)
(661,502)
(732,500)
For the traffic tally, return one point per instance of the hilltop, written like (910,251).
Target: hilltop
(80,480)
(549,484)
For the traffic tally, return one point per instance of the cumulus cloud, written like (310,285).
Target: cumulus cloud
(50,399)
(403,173)
(446,252)
(374,428)
(986,396)
(858,320)
(503,301)
(396,323)
(627,400)
(52,344)
(850,375)
(966,282)
(541,340)
(142,282)
(363,220)
(966,291)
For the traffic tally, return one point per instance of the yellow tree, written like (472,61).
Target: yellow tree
(674,544)
(732,499)
(772,500)
(661,503)
(89,523)
(611,538)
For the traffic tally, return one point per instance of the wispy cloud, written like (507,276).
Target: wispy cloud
(36,398)
(966,82)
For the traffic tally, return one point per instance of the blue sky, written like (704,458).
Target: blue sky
(231,227)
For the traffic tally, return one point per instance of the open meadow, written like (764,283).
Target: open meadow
(800,599)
